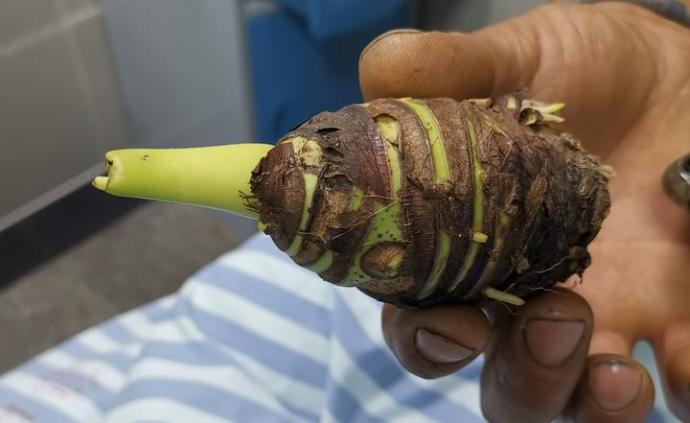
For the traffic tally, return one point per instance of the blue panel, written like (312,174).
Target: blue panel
(328,18)
(295,76)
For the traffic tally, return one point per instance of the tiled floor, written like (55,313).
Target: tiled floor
(142,256)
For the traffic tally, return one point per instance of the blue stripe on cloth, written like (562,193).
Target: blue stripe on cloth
(655,417)
(155,311)
(76,349)
(387,373)
(204,353)
(38,411)
(78,383)
(190,352)
(199,353)
(193,352)
(117,332)
(207,398)
(311,316)
(472,371)
(274,356)
(264,244)
(345,407)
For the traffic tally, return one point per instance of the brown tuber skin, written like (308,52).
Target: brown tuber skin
(418,203)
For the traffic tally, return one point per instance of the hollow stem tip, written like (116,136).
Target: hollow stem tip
(212,177)
(100,182)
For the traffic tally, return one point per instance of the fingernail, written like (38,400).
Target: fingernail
(613,384)
(552,342)
(385,35)
(440,349)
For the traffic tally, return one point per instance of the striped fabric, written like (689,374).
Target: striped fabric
(250,338)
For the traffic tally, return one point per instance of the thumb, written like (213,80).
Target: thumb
(493,61)
(435,64)
(596,58)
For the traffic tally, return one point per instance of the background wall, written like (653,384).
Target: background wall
(182,69)
(59,102)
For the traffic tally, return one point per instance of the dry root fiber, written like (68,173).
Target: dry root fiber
(421,202)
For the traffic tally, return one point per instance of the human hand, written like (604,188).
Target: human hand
(623,73)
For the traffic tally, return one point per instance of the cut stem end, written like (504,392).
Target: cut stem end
(100,182)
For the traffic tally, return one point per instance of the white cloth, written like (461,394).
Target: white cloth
(250,338)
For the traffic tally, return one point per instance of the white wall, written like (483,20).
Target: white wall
(59,104)
(183,70)
(80,77)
